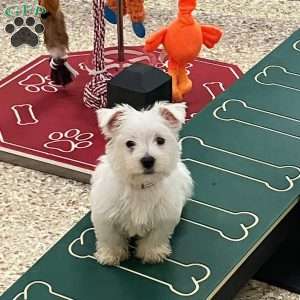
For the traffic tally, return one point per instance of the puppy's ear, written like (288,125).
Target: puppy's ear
(109,120)
(173,113)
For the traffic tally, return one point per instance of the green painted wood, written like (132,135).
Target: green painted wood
(244,154)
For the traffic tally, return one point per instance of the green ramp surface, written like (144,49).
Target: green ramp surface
(244,154)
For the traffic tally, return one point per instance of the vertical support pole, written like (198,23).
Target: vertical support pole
(120,27)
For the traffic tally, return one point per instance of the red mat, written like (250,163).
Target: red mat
(49,125)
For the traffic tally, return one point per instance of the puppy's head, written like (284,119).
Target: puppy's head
(143,145)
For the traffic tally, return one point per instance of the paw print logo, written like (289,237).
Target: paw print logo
(69,141)
(35,83)
(165,64)
(24,32)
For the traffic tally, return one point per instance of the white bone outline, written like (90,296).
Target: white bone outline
(111,64)
(206,85)
(25,292)
(170,286)
(264,72)
(244,103)
(191,116)
(220,232)
(296,45)
(19,119)
(141,56)
(67,136)
(201,141)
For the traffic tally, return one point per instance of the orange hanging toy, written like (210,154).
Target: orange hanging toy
(183,40)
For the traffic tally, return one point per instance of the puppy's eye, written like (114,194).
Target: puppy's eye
(130,144)
(160,140)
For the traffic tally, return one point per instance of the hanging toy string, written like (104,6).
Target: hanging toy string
(95,92)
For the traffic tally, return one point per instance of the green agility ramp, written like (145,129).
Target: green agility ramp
(243,152)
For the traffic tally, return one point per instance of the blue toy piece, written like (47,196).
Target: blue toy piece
(110,15)
(139,29)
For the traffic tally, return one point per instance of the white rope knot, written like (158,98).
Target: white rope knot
(95,92)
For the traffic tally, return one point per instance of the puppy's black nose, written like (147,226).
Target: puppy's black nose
(148,162)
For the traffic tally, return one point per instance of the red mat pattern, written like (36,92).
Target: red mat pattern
(48,123)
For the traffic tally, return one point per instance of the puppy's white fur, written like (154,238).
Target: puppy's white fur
(125,200)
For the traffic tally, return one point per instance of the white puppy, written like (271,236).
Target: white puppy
(140,186)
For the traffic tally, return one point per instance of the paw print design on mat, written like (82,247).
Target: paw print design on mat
(24,31)
(34,83)
(69,141)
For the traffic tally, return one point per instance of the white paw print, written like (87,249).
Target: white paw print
(35,83)
(69,141)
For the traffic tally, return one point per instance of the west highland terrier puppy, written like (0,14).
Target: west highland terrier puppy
(140,186)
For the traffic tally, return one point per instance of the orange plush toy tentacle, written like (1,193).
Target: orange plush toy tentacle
(156,39)
(136,10)
(112,4)
(211,35)
(174,72)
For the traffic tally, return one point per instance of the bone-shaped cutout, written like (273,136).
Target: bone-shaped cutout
(139,57)
(279,76)
(113,64)
(26,294)
(232,226)
(24,114)
(276,178)
(239,111)
(296,45)
(186,281)
(214,88)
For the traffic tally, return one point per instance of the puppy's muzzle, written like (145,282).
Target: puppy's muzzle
(148,163)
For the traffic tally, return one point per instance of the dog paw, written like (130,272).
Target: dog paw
(153,255)
(69,141)
(24,34)
(111,256)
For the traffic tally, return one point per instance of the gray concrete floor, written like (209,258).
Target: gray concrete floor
(36,209)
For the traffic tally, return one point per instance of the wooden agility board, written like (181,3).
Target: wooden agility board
(47,127)
(243,152)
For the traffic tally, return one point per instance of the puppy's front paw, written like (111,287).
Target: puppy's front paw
(153,254)
(111,256)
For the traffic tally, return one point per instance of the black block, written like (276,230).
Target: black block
(140,86)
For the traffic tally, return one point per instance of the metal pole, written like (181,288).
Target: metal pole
(120,27)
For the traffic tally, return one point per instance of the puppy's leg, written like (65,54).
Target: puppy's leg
(112,246)
(155,247)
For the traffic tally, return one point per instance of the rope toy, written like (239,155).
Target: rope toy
(95,92)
